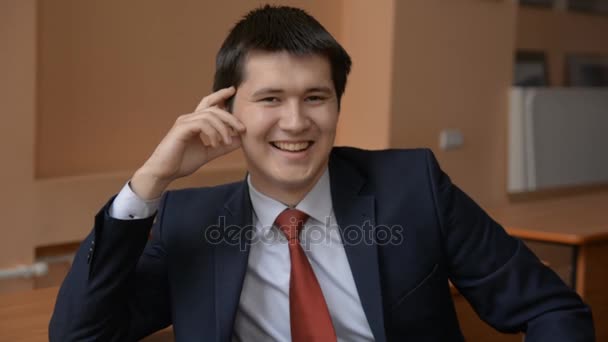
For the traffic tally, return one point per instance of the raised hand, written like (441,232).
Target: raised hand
(195,139)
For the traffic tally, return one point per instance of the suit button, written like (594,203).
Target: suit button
(91,249)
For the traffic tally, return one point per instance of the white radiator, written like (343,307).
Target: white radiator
(25,271)
(557,137)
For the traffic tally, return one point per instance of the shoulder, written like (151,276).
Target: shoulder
(184,212)
(400,161)
(203,197)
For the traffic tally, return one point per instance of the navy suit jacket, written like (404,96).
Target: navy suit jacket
(406,230)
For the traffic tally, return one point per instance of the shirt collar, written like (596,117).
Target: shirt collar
(317,203)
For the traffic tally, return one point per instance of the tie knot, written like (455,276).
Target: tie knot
(290,222)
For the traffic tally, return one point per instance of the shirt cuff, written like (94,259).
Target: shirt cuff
(128,206)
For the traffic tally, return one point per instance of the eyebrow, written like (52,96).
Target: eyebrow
(319,90)
(270,91)
(267,91)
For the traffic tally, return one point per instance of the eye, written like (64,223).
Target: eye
(316,98)
(270,99)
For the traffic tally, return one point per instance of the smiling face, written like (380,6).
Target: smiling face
(288,105)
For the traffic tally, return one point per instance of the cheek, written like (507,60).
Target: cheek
(328,125)
(257,132)
(256,122)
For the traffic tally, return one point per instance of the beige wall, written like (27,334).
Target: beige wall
(367,35)
(113,78)
(559,33)
(452,69)
(17,111)
(424,65)
(114,70)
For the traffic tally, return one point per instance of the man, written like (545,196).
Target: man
(317,243)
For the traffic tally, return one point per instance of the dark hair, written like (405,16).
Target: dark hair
(274,29)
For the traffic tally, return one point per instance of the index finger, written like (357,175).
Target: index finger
(216,98)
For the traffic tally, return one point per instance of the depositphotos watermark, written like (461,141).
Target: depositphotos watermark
(313,234)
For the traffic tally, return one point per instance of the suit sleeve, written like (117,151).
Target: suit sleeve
(504,281)
(117,287)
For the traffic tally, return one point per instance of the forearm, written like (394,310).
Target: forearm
(571,324)
(504,281)
(93,297)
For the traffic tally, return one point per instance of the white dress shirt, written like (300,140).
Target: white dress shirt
(263,312)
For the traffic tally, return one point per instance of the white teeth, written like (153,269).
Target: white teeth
(292,147)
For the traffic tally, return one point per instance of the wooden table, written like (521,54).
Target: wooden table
(575,223)
(25,316)
(570,234)
(575,220)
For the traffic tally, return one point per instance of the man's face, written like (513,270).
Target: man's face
(288,105)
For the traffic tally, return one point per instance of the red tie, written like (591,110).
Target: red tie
(309,316)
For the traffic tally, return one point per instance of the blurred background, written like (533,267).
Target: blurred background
(511,96)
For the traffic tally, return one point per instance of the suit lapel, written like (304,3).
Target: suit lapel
(353,211)
(357,212)
(230,259)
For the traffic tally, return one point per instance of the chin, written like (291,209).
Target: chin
(294,180)
(287,176)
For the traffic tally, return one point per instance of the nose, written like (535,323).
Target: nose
(294,119)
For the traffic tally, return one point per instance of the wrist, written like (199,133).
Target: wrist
(147,186)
